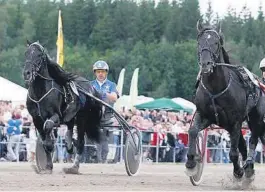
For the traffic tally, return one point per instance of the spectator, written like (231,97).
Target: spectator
(31,146)
(13,131)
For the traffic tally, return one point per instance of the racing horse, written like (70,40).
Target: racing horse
(225,96)
(46,104)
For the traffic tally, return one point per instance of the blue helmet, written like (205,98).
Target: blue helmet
(101,65)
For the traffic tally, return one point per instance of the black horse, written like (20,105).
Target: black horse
(226,97)
(46,102)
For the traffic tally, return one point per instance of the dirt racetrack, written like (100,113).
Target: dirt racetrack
(113,177)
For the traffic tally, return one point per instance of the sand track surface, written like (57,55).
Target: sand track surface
(113,177)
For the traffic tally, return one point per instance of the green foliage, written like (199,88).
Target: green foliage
(159,39)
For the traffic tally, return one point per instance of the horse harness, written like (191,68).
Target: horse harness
(213,97)
(64,92)
(250,95)
(215,55)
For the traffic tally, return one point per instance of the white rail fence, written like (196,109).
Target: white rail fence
(153,152)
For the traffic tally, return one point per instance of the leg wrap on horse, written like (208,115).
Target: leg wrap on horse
(193,132)
(80,146)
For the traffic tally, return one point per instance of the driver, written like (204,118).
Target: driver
(109,94)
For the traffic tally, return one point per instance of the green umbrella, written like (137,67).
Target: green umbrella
(163,104)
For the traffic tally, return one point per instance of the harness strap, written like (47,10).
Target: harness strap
(45,95)
(213,97)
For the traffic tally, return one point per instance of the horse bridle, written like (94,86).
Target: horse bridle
(37,66)
(37,63)
(206,47)
(214,56)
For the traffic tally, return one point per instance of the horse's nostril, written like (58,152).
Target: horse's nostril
(27,74)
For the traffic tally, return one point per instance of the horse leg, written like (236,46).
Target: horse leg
(198,125)
(48,143)
(234,154)
(38,123)
(242,146)
(69,137)
(249,166)
(256,128)
(79,146)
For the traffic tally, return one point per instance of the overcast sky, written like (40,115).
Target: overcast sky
(220,6)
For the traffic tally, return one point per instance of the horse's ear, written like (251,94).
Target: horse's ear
(219,27)
(28,43)
(199,26)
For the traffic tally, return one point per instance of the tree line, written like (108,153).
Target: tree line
(159,38)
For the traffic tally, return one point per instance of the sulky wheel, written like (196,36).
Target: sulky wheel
(133,152)
(200,158)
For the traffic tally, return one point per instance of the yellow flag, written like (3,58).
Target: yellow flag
(59,43)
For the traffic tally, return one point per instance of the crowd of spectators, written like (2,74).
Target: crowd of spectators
(165,129)
(15,133)
(164,137)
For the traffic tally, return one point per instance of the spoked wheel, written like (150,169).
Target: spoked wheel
(133,152)
(200,158)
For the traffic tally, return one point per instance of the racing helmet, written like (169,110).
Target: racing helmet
(262,64)
(101,65)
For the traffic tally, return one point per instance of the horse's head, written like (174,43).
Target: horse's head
(209,49)
(35,60)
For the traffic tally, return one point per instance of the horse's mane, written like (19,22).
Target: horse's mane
(226,56)
(230,60)
(58,73)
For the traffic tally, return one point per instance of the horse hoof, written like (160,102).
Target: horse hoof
(191,168)
(249,173)
(71,170)
(190,164)
(239,174)
(249,169)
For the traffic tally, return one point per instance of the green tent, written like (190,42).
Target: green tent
(163,104)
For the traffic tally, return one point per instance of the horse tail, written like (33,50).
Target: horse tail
(93,117)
